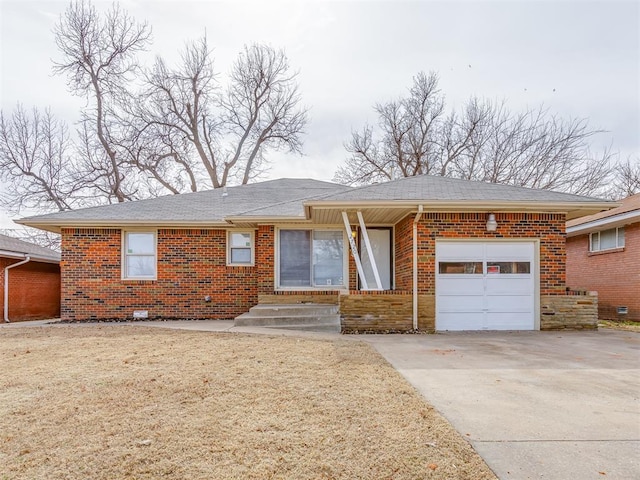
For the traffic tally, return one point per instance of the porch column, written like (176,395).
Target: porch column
(354,250)
(367,244)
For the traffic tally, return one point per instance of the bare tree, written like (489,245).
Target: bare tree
(408,146)
(35,162)
(221,135)
(99,59)
(483,142)
(626,181)
(261,109)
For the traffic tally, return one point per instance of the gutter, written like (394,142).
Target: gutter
(415,266)
(27,259)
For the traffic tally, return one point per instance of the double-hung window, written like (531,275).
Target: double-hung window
(240,248)
(311,258)
(139,259)
(606,239)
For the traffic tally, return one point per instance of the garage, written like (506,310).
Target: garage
(485,285)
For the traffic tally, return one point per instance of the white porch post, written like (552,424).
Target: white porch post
(367,244)
(354,250)
(415,267)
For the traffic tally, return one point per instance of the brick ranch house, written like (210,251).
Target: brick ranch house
(603,254)
(425,252)
(30,276)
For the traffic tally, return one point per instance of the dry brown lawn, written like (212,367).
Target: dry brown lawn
(626,325)
(129,402)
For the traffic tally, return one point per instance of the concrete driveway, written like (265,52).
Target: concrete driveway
(552,405)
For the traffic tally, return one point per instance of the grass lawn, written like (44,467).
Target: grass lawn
(129,402)
(627,325)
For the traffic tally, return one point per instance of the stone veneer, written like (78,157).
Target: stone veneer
(574,312)
(385,311)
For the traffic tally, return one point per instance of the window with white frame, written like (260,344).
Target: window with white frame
(240,248)
(606,239)
(311,258)
(139,259)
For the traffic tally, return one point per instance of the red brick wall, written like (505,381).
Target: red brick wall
(615,275)
(191,264)
(404,254)
(549,228)
(34,290)
(265,258)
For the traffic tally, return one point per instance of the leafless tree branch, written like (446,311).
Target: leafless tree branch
(483,142)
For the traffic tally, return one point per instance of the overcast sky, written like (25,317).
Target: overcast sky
(580,59)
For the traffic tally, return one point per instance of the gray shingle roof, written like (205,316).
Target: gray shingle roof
(426,187)
(285,198)
(206,206)
(10,244)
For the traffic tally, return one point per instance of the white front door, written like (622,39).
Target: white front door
(485,285)
(380,239)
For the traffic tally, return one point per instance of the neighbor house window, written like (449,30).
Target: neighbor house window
(139,255)
(606,239)
(240,248)
(311,258)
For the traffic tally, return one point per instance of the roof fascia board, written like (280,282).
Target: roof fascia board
(466,204)
(627,217)
(263,219)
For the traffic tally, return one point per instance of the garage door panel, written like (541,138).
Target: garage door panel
(509,303)
(508,321)
(470,286)
(498,251)
(463,251)
(457,303)
(458,321)
(514,286)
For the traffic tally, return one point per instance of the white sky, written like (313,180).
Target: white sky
(579,59)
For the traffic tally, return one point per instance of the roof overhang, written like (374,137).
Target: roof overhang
(613,221)
(375,211)
(56,226)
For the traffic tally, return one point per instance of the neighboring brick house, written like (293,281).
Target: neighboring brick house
(603,254)
(423,252)
(30,276)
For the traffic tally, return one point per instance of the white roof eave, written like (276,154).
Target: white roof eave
(606,222)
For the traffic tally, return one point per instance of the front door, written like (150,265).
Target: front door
(380,239)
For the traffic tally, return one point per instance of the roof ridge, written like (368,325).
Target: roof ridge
(291,200)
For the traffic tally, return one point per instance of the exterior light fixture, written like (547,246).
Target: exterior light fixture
(354,233)
(492,225)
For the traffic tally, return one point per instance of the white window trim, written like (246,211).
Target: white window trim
(253,248)
(617,229)
(345,260)
(123,249)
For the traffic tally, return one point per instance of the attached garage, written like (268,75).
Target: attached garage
(486,285)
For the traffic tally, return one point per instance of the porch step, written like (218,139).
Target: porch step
(310,317)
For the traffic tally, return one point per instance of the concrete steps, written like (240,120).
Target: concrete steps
(310,317)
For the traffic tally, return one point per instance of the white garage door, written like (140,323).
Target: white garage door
(485,286)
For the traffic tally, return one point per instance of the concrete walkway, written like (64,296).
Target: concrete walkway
(551,405)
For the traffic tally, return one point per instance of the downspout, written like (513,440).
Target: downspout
(415,267)
(6,286)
